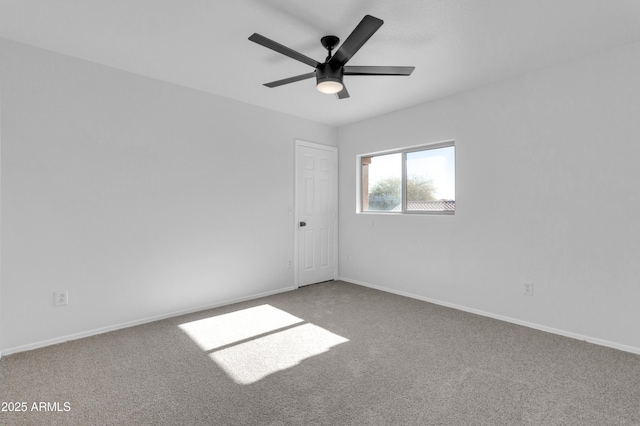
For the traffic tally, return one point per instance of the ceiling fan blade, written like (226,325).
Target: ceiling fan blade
(343,94)
(356,39)
(374,70)
(268,43)
(291,79)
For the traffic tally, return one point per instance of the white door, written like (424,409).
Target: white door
(316,212)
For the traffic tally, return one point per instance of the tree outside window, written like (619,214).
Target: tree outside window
(428,175)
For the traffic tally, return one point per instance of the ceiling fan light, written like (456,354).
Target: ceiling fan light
(329,86)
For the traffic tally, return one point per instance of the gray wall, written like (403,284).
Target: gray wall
(140,197)
(547,191)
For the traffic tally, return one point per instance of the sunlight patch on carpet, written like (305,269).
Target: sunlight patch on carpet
(251,361)
(253,343)
(222,330)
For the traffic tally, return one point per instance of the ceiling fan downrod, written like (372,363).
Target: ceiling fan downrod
(329,42)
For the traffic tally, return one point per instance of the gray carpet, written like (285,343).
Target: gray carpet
(333,354)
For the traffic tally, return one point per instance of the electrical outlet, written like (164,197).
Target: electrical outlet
(528,289)
(61,298)
(289,263)
(348,258)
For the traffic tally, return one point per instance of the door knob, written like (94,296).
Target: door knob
(303,224)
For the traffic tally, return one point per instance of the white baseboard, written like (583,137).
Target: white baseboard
(114,327)
(564,333)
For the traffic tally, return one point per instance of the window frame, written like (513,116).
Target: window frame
(403,178)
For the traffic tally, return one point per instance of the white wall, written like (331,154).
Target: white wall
(0,215)
(144,198)
(140,197)
(548,168)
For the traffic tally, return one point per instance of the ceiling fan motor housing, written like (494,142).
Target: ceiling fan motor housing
(326,72)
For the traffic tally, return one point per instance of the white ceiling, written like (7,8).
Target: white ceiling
(455,45)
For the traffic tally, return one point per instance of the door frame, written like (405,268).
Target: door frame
(296,219)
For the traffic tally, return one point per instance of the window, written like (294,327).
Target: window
(412,180)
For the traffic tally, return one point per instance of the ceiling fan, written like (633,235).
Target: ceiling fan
(329,74)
